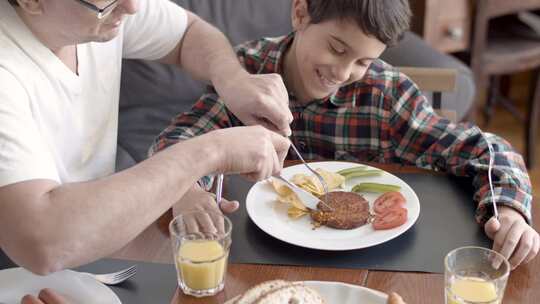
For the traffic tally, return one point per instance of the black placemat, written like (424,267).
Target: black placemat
(446,221)
(153,283)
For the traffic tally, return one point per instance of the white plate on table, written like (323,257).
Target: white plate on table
(77,287)
(272,217)
(343,293)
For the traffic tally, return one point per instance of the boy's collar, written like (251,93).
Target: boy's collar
(275,54)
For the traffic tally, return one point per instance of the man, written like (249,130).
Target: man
(60,203)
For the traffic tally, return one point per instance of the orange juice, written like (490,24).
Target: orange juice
(472,290)
(202,264)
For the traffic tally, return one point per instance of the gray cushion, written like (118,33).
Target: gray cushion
(151,94)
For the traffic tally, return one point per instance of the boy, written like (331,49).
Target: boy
(349,105)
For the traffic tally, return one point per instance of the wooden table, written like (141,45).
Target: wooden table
(416,288)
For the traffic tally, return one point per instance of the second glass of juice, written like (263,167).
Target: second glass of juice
(475,275)
(201,242)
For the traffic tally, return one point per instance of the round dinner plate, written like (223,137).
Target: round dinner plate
(272,217)
(343,293)
(77,287)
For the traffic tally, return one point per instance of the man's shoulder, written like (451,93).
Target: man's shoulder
(13,60)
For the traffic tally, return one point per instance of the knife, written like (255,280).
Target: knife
(309,200)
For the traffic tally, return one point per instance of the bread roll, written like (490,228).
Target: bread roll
(277,292)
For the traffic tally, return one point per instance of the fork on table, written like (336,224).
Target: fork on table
(114,277)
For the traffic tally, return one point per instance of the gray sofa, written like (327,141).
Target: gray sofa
(151,94)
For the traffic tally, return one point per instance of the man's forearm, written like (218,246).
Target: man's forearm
(76,223)
(207,54)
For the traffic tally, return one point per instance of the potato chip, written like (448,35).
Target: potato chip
(286,195)
(281,188)
(295,213)
(333,179)
(312,184)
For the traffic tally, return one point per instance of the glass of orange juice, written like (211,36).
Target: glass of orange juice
(201,242)
(475,275)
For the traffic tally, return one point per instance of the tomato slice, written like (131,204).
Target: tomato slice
(391,219)
(388,201)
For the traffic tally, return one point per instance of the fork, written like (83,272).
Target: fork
(114,277)
(219,189)
(323,183)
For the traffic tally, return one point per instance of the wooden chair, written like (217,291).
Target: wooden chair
(437,81)
(502,53)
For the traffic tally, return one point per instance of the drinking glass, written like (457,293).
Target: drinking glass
(201,253)
(475,275)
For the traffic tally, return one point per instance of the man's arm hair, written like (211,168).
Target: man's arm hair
(49,227)
(205,53)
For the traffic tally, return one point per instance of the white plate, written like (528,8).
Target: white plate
(342,293)
(77,287)
(272,217)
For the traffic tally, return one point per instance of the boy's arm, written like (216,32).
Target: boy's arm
(421,137)
(209,113)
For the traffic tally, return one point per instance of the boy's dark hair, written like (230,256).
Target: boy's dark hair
(386,20)
(13,2)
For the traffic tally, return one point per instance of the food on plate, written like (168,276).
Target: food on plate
(311,183)
(358,171)
(363,173)
(390,211)
(351,170)
(375,187)
(278,292)
(350,210)
(388,201)
(390,219)
(285,292)
(285,195)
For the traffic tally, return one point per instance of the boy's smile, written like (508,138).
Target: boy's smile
(326,56)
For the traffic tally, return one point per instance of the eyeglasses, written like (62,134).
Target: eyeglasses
(100,12)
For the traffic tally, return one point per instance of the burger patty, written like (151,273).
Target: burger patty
(351,210)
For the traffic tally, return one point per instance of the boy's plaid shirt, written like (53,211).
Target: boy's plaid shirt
(383,118)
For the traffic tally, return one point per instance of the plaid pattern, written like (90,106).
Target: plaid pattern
(382,118)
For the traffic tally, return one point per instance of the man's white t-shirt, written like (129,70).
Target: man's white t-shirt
(57,125)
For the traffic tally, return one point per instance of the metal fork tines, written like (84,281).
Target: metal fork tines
(323,183)
(115,277)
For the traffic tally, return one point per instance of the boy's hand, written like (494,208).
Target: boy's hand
(259,99)
(513,237)
(196,199)
(46,296)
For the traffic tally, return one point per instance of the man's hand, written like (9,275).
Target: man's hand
(196,199)
(258,100)
(513,237)
(46,296)
(254,152)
